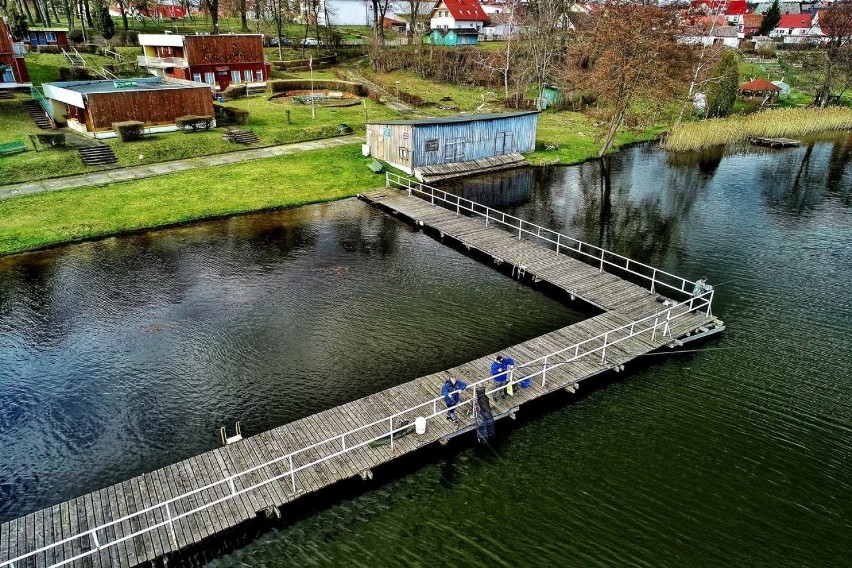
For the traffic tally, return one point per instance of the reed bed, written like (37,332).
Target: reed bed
(773,123)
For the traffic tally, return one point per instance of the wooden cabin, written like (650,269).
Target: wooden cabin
(218,60)
(411,145)
(13,69)
(38,37)
(91,107)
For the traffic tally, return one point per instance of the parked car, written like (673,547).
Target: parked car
(283,40)
(310,42)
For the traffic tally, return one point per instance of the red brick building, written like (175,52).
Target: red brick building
(13,69)
(218,60)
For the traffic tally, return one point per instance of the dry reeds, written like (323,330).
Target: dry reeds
(774,123)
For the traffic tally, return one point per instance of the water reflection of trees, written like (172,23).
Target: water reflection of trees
(812,173)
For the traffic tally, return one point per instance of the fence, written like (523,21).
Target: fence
(562,243)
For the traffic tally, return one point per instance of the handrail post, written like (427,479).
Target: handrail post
(233,487)
(94,535)
(603,353)
(710,301)
(520,228)
(656,323)
(486,216)
(409,187)
(458,205)
(433,196)
(666,330)
(544,372)
(653,282)
(292,473)
(387,179)
(390,421)
(558,237)
(435,407)
(603,252)
(343,442)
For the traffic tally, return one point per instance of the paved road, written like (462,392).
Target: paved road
(107,177)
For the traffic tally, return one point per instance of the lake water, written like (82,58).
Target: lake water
(126,354)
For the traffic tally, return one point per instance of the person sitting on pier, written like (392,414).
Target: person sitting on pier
(450,391)
(500,371)
(701,287)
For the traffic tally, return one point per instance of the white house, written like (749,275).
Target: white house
(797,28)
(458,14)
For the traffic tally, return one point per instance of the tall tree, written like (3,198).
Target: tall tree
(123,10)
(722,88)
(414,17)
(545,26)
(630,53)
(770,19)
(103,21)
(836,24)
(212,7)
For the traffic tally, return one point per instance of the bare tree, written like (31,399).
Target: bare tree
(212,7)
(629,52)
(836,24)
(414,17)
(545,25)
(380,9)
(708,55)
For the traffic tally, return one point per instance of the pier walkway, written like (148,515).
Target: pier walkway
(159,515)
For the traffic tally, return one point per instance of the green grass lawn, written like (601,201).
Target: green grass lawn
(267,118)
(46,219)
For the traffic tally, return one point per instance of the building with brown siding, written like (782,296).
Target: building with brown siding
(218,60)
(91,107)
(13,69)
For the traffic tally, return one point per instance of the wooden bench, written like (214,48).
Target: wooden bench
(12,148)
(376,166)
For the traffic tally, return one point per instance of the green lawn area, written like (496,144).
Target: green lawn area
(46,219)
(267,118)
(465,98)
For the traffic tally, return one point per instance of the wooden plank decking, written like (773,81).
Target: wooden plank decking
(622,302)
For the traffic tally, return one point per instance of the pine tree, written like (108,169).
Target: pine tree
(770,19)
(103,21)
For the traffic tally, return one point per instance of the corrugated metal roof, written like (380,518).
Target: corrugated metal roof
(108,85)
(457,119)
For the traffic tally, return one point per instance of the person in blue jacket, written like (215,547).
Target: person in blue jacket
(500,372)
(450,391)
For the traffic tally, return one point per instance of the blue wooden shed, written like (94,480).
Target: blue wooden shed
(415,144)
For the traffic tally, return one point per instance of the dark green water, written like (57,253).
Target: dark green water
(737,455)
(122,355)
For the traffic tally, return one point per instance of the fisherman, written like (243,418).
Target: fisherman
(450,391)
(701,287)
(500,371)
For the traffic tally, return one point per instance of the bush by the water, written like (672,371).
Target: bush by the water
(773,123)
(129,130)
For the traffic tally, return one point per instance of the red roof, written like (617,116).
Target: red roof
(759,85)
(468,10)
(731,7)
(736,8)
(795,21)
(752,20)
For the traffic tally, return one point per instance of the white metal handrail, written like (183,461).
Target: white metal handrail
(145,60)
(563,243)
(662,319)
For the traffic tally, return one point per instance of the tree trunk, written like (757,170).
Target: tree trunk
(88,14)
(123,14)
(243,16)
(26,9)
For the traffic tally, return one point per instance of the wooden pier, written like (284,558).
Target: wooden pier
(774,142)
(157,516)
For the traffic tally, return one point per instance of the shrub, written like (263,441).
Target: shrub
(75,36)
(234,92)
(52,138)
(231,115)
(74,74)
(132,38)
(129,130)
(192,123)
(282,85)
(49,49)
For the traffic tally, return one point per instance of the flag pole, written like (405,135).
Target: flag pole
(313,108)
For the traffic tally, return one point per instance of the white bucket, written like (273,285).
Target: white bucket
(365,149)
(420,425)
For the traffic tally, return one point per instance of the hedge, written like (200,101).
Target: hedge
(129,130)
(192,123)
(234,92)
(231,115)
(282,85)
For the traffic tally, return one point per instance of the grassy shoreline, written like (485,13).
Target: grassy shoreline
(772,123)
(46,220)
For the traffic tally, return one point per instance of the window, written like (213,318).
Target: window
(258,75)
(196,77)
(454,150)
(209,78)
(51,37)
(247,75)
(8,76)
(403,154)
(431,145)
(235,75)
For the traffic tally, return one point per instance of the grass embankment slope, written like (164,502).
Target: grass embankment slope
(773,123)
(46,219)
(266,118)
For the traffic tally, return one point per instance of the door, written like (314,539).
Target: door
(503,143)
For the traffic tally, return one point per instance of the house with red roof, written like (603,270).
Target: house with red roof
(465,18)
(797,28)
(751,24)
